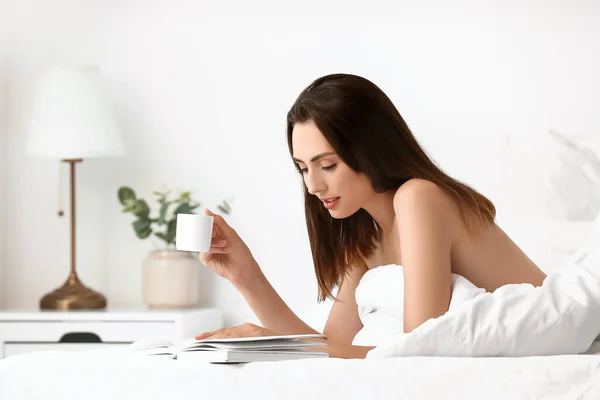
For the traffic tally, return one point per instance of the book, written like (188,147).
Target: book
(235,350)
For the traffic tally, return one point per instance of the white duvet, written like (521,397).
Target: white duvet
(560,317)
(380,301)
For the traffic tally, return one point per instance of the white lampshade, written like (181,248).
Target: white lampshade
(72,116)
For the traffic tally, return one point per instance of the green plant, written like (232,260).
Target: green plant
(164,224)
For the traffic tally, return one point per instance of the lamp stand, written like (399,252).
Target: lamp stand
(73,295)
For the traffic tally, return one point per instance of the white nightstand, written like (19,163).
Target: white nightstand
(25,331)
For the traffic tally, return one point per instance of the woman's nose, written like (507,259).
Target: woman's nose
(314,185)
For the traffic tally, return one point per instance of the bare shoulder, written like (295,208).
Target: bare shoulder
(420,198)
(417,189)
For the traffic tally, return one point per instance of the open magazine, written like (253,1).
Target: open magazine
(235,350)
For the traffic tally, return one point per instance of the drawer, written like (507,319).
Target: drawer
(106,331)
(11,349)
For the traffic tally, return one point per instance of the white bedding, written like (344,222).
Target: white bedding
(477,323)
(380,301)
(113,375)
(385,374)
(562,316)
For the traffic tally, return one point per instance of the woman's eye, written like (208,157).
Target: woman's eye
(324,168)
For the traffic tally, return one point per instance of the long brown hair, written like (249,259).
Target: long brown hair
(368,133)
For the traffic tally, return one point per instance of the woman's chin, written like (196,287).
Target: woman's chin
(338,214)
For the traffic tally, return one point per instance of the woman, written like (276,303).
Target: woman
(372,198)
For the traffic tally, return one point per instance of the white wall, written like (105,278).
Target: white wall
(202,94)
(3,156)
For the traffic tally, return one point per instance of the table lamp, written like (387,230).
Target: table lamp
(72,121)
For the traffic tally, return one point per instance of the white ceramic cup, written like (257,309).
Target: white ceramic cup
(193,233)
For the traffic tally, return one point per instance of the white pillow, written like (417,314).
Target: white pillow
(549,244)
(534,175)
(565,172)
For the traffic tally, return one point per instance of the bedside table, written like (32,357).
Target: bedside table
(26,331)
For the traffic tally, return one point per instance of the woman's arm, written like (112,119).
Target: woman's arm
(342,324)
(333,348)
(276,317)
(427,219)
(273,313)
(341,350)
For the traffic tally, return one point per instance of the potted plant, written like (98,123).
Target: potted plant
(170,278)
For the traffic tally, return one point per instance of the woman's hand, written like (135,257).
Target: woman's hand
(229,256)
(335,350)
(245,330)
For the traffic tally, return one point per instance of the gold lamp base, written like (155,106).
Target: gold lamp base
(73,295)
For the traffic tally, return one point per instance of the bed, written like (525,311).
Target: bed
(116,375)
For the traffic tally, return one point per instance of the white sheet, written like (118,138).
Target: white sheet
(112,375)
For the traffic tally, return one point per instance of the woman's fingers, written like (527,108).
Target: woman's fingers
(214,250)
(206,334)
(219,333)
(218,243)
(219,246)
(220,224)
(219,250)
(245,330)
(216,247)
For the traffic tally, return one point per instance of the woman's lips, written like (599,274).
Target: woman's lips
(331,204)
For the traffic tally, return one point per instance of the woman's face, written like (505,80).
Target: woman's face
(326,175)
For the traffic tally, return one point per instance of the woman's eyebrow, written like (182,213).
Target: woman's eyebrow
(315,158)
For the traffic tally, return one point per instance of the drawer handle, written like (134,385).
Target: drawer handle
(80,337)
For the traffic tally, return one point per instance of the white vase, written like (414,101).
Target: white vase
(171,279)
